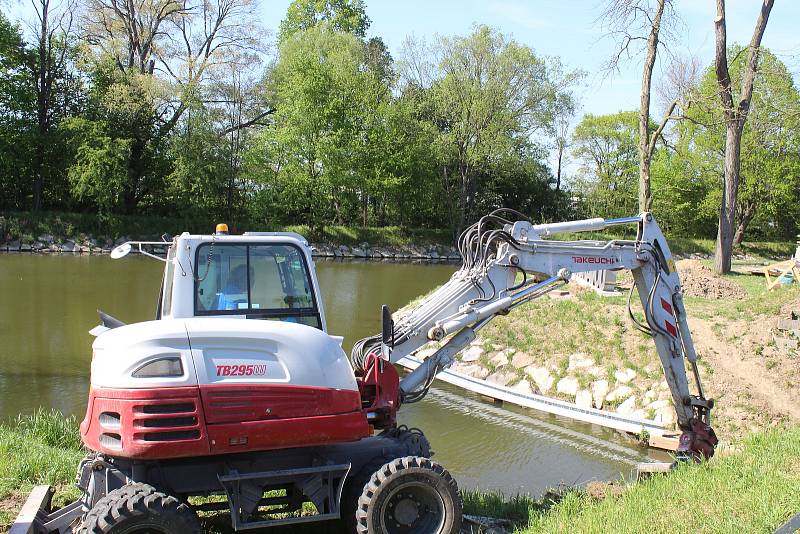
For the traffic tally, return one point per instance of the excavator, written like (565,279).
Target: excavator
(236,398)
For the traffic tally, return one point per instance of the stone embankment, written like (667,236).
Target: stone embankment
(47,244)
(584,381)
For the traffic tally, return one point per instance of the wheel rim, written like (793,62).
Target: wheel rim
(413,507)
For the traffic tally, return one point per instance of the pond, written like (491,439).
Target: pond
(49,303)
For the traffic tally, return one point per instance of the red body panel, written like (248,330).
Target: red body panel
(185,421)
(248,402)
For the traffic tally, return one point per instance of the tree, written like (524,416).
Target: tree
(49,68)
(628,21)
(606,147)
(484,92)
(734,116)
(170,49)
(327,103)
(768,178)
(348,16)
(17,117)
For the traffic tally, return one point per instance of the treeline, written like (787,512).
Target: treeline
(191,109)
(172,108)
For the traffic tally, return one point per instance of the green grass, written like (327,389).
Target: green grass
(27,227)
(755,489)
(43,448)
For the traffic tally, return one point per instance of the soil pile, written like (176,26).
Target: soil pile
(697,280)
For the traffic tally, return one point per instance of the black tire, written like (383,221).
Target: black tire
(140,508)
(409,495)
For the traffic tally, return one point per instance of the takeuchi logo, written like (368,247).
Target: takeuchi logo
(241,370)
(595,259)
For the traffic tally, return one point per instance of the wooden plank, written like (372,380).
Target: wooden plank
(667,442)
(39,499)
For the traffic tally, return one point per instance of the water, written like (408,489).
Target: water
(48,303)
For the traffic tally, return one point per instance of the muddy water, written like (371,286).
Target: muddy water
(48,303)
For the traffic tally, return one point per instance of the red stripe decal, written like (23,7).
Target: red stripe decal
(667,306)
(671,328)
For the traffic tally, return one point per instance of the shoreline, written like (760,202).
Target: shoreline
(433,253)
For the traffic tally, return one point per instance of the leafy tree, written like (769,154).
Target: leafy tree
(347,16)
(17,116)
(606,146)
(484,92)
(769,173)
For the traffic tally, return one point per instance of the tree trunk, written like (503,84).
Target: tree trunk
(747,216)
(42,101)
(558,166)
(645,147)
(727,212)
(735,117)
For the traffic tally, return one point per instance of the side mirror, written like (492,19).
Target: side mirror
(387,327)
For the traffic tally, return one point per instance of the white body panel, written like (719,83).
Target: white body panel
(232,351)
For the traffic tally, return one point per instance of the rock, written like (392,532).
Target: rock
(639,414)
(541,377)
(472,354)
(656,405)
(501,377)
(567,385)
(625,375)
(596,371)
(628,406)
(663,385)
(650,395)
(619,393)
(359,253)
(579,360)
(68,246)
(522,360)
(25,247)
(470,369)
(38,245)
(523,386)
(499,359)
(46,238)
(495,346)
(599,391)
(13,245)
(666,415)
(583,398)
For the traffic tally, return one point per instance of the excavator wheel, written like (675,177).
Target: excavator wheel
(409,495)
(139,509)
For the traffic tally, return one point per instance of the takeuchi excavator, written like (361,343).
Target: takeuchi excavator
(236,398)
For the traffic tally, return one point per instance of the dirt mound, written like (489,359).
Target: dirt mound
(697,280)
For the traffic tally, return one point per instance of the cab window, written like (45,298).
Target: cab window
(260,281)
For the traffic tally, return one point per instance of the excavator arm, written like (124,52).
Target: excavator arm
(507,262)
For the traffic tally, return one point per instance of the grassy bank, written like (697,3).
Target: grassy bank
(27,227)
(754,488)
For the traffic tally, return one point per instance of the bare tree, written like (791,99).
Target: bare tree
(735,115)
(630,22)
(53,30)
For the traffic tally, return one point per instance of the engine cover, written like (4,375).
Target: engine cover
(188,387)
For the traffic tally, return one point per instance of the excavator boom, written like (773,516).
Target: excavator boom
(507,262)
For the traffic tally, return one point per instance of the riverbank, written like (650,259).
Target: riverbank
(753,486)
(78,233)
(582,348)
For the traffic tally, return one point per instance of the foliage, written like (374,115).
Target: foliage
(346,16)
(487,95)
(608,176)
